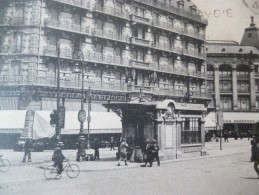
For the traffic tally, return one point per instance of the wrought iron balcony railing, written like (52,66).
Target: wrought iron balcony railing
(110,35)
(174,10)
(77,3)
(140,19)
(70,80)
(12,21)
(140,64)
(112,11)
(140,41)
(67,26)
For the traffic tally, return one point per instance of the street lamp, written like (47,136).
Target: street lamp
(78,55)
(58,128)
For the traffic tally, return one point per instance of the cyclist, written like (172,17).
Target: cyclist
(58,158)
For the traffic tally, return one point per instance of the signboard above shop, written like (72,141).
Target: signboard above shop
(53,94)
(240,117)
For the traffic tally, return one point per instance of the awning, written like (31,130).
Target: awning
(12,121)
(240,117)
(101,122)
(210,121)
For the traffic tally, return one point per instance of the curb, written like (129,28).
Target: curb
(138,165)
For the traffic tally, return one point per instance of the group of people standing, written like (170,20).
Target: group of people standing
(150,152)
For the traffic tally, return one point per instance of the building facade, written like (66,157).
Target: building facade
(232,73)
(126,46)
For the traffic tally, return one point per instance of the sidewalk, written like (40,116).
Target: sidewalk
(108,159)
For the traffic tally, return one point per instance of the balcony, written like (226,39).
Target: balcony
(67,26)
(192,34)
(140,64)
(12,21)
(241,90)
(140,41)
(136,88)
(163,46)
(173,10)
(110,35)
(193,53)
(52,52)
(170,27)
(196,74)
(112,11)
(141,20)
(198,94)
(76,3)
(244,75)
(225,90)
(51,81)
(181,71)
(225,75)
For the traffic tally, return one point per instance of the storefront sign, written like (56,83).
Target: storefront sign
(68,95)
(241,121)
(16,79)
(185,106)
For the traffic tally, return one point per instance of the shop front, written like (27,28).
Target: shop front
(12,126)
(240,124)
(178,127)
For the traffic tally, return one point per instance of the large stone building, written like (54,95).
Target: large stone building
(124,46)
(233,80)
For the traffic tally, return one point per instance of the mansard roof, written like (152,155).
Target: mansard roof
(231,49)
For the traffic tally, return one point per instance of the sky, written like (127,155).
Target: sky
(227,19)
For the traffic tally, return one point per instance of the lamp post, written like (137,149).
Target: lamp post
(88,118)
(78,55)
(58,128)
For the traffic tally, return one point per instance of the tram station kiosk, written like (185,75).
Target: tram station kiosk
(178,127)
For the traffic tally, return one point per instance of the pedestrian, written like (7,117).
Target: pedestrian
(256,159)
(96,146)
(253,149)
(155,149)
(58,158)
(225,134)
(27,150)
(148,153)
(123,151)
(112,142)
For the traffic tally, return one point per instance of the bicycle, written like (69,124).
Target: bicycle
(72,171)
(5,164)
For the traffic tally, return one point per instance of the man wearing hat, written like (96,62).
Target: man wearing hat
(58,158)
(148,153)
(27,150)
(155,149)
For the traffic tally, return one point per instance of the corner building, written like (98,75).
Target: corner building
(153,46)
(233,81)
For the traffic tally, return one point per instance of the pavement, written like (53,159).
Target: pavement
(108,159)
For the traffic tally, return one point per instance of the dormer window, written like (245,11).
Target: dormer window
(193,9)
(180,4)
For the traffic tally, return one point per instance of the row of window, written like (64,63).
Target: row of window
(229,73)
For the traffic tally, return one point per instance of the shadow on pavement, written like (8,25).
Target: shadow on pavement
(250,178)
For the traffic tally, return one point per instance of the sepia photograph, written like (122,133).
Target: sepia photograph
(129,97)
